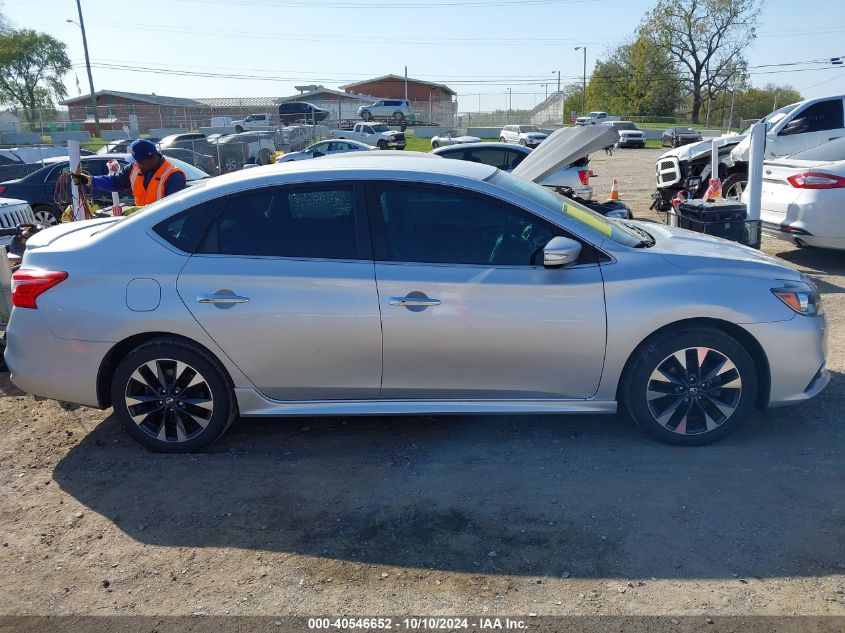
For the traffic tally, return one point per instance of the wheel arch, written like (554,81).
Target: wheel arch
(122,349)
(743,336)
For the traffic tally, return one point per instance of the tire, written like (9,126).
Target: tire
(735,184)
(133,394)
(501,139)
(690,417)
(264,157)
(523,143)
(435,145)
(382,144)
(46,215)
(398,116)
(239,129)
(367,116)
(676,143)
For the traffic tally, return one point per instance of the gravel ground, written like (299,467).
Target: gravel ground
(433,515)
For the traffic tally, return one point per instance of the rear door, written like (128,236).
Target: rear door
(468,310)
(284,283)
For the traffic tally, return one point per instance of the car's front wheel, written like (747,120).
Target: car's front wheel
(46,215)
(690,386)
(367,116)
(435,144)
(172,396)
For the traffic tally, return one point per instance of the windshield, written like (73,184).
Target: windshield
(685,130)
(381,128)
(528,128)
(826,152)
(778,115)
(546,198)
(453,133)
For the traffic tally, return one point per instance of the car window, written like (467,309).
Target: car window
(513,159)
(447,226)
(494,156)
(185,230)
(314,222)
(825,115)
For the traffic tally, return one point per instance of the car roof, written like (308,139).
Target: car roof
(482,145)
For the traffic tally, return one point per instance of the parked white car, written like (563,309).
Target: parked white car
(12,213)
(325,148)
(395,109)
(253,121)
(804,195)
(452,137)
(629,134)
(593,118)
(527,135)
(378,135)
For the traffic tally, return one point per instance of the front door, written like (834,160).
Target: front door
(825,122)
(284,283)
(468,310)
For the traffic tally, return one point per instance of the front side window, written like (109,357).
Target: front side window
(314,222)
(825,115)
(447,226)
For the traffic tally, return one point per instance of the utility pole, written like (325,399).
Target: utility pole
(88,68)
(509,103)
(583,81)
(731,116)
(558,79)
(547,90)
(406,83)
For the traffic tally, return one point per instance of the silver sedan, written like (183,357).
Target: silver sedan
(376,286)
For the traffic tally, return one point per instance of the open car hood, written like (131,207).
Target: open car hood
(562,148)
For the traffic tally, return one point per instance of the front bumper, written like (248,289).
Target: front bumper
(797,357)
(631,142)
(44,365)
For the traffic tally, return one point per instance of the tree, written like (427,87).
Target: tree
(31,68)
(637,78)
(706,40)
(755,103)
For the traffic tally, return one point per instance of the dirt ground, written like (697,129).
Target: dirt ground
(434,515)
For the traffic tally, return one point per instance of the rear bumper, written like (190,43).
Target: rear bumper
(797,355)
(43,365)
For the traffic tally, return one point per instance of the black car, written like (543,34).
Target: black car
(48,201)
(677,136)
(301,111)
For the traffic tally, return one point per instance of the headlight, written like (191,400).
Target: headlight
(801,296)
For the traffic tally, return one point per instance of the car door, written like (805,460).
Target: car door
(284,283)
(824,122)
(468,310)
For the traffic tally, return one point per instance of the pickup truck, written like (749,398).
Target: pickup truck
(252,122)
(595,118)
(378,135)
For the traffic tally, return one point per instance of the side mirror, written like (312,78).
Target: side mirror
(561,252)
(796,126)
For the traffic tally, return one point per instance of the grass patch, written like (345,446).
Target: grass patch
(415,144)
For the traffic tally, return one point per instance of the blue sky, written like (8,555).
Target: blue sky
(498,44)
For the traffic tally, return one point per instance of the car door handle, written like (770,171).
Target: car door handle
(227,299)
(414,301)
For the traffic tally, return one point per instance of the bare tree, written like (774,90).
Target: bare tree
(706,39)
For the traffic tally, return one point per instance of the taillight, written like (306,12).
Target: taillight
(2,189)
(816,180)
(584,176)
(29,283)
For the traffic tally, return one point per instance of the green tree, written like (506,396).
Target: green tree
(755,103)
(636,78)
(32,65)
(706,40)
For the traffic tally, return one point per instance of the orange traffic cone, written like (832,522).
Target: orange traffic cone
(614,191)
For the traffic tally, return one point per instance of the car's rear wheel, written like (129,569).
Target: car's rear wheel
(435,144)
(690,386)
(523,142)
(46,215)
(398,116)
(367,116)
(172,397)
(239,129)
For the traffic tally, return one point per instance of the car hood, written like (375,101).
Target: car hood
(694,151)
(563,147)
(691,251)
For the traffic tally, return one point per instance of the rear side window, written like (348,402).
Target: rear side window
(498,158)
(185,230)
(825,115)
(316,222)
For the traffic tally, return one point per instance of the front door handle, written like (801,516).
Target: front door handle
(225,299)
(411,301)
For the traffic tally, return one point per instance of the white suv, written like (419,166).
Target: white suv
(396,109)
(526,135)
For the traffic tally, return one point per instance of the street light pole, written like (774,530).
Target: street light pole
(88,68)
(558,79)
(583,81)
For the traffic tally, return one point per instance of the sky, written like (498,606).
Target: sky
(479,48)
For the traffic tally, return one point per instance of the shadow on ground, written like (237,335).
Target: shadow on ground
(538,495)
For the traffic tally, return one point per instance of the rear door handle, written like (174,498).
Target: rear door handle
(226,299)
(414,301)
